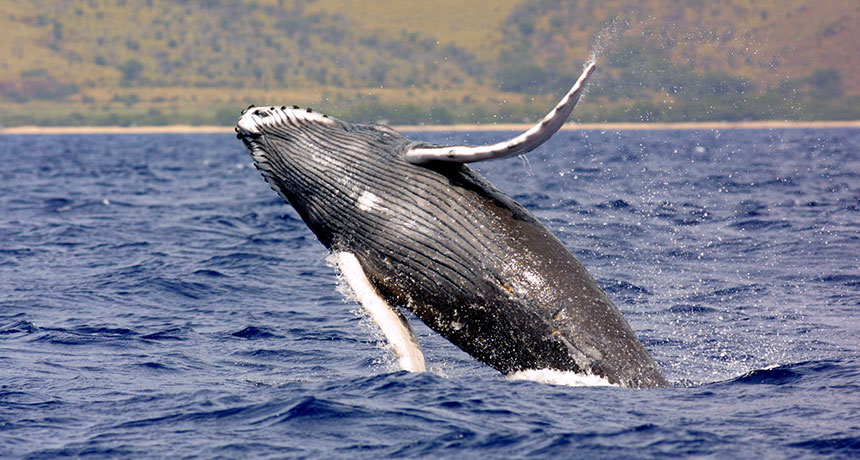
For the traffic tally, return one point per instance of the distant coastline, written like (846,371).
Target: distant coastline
(706,125)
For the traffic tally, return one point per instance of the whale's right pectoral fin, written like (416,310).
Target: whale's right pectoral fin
(524,143)
(395,328)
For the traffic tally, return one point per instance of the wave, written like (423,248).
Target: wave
(792,373)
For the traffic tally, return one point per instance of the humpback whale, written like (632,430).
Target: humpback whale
(413,227)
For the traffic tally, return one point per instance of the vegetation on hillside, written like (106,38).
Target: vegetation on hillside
(200,61)
(695,60)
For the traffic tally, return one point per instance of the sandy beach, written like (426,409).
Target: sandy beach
(708,125)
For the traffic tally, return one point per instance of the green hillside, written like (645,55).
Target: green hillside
(142,62)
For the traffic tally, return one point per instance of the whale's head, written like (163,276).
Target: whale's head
(322,166)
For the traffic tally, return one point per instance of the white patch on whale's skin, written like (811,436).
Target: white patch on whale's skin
(556,377)
(533,278)
(248,123)
(367,201)
(394,327)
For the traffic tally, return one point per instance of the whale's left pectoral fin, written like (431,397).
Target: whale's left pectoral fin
(524,143)
(395,328)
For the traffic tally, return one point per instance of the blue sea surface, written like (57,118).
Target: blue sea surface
(158,300)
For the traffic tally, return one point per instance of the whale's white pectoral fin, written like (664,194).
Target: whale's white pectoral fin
(395,328)
(524,143)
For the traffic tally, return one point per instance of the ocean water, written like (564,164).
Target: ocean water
(157,300)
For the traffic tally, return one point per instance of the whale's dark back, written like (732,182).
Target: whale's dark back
(440,240)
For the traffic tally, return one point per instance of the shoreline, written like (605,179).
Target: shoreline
(704,125)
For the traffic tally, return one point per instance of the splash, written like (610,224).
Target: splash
(556,377)
(607,37)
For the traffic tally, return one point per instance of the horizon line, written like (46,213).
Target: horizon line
(611,126)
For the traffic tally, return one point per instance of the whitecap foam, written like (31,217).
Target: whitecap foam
(556,377)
